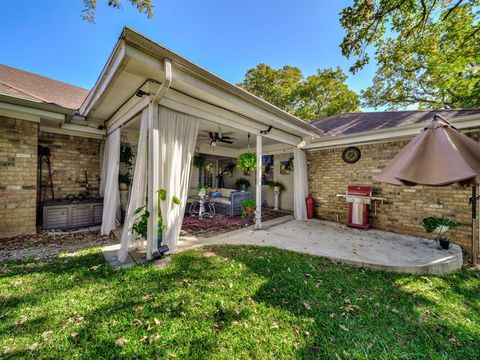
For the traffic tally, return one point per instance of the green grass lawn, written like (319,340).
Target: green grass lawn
(239,302)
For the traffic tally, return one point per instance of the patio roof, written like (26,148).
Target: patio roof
(137,63)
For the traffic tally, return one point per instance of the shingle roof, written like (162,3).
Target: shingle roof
(26,85)
(352,123)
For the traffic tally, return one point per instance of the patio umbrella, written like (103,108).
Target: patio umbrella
(440,155)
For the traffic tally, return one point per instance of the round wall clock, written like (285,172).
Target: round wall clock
(351,155)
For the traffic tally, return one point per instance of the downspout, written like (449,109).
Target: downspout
(153,161)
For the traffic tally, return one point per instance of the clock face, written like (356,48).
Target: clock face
(351,155)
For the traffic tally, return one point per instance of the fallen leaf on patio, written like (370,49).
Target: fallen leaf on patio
(307,306)
(347,301)
(137,322)
(332,315)
(95,267)
(74,334)
(22,320)
(157,322)
(143,340)
(343,327)
(121,342)
(307,333)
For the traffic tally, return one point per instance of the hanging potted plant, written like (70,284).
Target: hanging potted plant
(242,184)
(247,162)
(440,225)
(126,154)
(142,214)
(124,181)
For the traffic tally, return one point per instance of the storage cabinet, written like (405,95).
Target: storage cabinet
(60,215)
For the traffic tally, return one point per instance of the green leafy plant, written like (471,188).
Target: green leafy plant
(248,206)
(432,223)
(278,184)
(242,184)
(201,187)
(126,154)
(290,163)
(124,178)
(141,225)
(247,162)
(199,161)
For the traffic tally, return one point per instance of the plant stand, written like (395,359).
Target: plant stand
(277,199)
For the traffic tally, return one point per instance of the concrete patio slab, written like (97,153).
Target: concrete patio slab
(373,248)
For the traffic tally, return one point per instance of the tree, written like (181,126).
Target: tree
(143,6)
(320,95)
(427,51)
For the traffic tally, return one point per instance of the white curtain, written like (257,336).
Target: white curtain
(178,136)
(109,187)
(300,184)
(138,193)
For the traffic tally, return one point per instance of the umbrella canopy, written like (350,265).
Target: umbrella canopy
(440,155)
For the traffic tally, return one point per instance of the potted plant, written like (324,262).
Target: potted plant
(440,225)
(202,190)
(242,184)
(124,181)
(126,154)
(277,188)
(140,226)
(248,208)
(247,162)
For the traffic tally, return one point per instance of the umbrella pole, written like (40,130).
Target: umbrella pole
(474,225)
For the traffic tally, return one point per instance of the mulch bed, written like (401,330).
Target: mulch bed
(44,245)
(221,223)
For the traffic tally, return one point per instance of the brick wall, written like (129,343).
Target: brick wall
(70,157)
(404,208)
(18,176)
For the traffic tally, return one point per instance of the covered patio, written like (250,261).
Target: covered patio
(168,108)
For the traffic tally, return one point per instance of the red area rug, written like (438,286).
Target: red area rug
(221,223)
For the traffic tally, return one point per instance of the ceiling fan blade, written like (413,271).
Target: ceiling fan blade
(225,141)
(228,138)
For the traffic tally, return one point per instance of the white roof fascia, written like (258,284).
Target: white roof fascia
(109,71)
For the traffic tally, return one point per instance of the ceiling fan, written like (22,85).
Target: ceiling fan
(216,137)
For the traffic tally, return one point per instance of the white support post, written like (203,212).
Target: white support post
(153,168)
(258,212)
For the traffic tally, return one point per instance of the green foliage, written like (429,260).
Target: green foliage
(142,215)
(199,161)
(427,52)
(433,222)
(242,183)
(126,154)
(237,302)
(320,95)
(247,162)
(202,187)
(278,184)
(291,163)
(124,178)
(89,6)
(248,203)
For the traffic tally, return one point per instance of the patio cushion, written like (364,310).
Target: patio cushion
(222,200)
(226,192)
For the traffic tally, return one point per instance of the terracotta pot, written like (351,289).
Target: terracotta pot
(249,210)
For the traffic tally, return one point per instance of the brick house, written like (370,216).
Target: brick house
(73,123)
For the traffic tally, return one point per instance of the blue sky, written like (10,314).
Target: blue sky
(227,37)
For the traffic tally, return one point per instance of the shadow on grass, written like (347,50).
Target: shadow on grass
(358,312)
(201,306)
